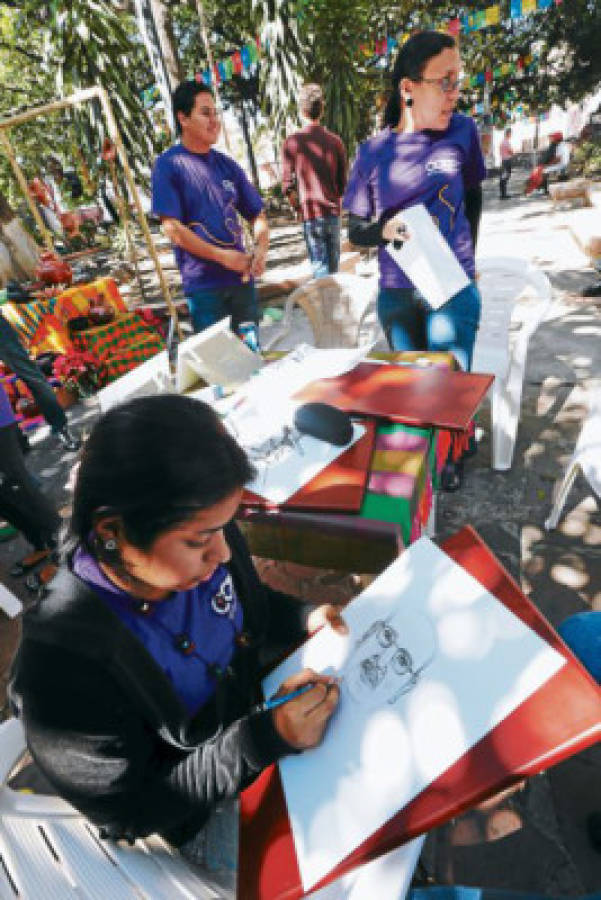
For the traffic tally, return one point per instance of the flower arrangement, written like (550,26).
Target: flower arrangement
(79,371)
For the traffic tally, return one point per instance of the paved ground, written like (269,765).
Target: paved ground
(534,840)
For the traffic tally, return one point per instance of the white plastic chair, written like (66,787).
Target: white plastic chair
(515,298)
(335,306)
(586,459)
(48,851)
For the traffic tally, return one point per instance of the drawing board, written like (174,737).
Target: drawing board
(432,663)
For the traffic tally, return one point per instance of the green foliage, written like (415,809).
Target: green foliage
(586,159)
(52,50)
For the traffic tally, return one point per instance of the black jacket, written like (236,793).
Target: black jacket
(105,726)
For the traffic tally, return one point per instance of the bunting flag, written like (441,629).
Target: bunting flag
(237,63)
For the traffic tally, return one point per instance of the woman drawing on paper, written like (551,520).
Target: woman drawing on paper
(137,678)
(427,154)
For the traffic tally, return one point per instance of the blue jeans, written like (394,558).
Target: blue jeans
(322,237)
(213,304)
(582,634)
(409,323)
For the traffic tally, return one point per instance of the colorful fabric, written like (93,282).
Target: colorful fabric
(74,302)
(205,191)
(51,336)
(399,479)
(119,362)
(125,332)
(395,170)
(26,317)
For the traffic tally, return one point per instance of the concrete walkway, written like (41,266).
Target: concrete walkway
(534,840)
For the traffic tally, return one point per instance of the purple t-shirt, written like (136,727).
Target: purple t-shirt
(393,171)
(7,416)
(210,614)
(204,191)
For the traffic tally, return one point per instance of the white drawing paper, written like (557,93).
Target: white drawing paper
(384,878)
(432,663)
(271,392)
(427,259)
(284,459)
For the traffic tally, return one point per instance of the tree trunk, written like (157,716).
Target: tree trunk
(250,152)
(18,251)
(164,29)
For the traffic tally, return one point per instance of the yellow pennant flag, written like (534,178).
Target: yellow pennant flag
(528,6)
(493,15)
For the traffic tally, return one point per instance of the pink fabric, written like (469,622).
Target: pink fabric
(392,484)
(400,440)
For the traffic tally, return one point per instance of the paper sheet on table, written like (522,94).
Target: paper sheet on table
(284,459)
(427,260)
(271,389)
(433,662)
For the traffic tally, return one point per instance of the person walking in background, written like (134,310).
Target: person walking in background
(14,354)
(198,193)
(314,178)
(506,154)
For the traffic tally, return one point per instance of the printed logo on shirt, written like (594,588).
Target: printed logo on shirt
(443,165)
(224,600)
(228,185)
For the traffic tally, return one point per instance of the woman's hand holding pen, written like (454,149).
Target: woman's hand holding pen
(302,721)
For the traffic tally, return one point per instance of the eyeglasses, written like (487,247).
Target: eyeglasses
(447,85)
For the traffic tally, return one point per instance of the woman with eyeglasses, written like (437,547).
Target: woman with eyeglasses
(426,154)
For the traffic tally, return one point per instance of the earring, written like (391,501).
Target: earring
(408,101)
(110,546)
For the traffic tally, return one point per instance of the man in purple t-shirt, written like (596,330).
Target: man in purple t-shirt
(199,193)
(313,178)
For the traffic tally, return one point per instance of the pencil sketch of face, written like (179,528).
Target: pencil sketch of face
(388,659)
(276,448)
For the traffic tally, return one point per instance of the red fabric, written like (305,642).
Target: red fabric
(535,180)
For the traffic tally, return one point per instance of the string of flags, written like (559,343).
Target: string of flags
(237,63)
(484,18)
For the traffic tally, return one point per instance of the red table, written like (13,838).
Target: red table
(562,718)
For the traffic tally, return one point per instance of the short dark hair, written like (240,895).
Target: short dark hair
(411,61)
(154,462)
(310,100)
(183,98)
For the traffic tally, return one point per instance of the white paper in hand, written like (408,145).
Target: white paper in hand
(427,260)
